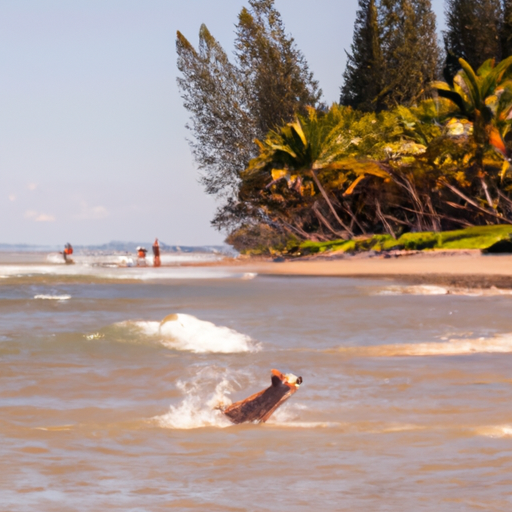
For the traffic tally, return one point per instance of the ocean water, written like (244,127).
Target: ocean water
(110,380)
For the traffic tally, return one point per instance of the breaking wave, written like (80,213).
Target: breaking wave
(188,333)
(121,272)
(456,347)
(494,431)
(52,297)
(413,290)
(441,290)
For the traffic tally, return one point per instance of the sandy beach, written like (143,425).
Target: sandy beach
(467,269)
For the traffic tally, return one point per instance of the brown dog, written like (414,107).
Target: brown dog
(260,407)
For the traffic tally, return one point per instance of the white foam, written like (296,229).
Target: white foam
(414,290)
(200,407)
(304,424)
(52,297)
(114,271)
(440,290)
(455,347)
(249,275)
(496,431)
(188,333)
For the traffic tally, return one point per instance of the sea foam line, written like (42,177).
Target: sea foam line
(497,344)
(52,297)
(441,290)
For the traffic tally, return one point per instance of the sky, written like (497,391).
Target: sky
(92,128)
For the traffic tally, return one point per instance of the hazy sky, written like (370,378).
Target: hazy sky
(92,136)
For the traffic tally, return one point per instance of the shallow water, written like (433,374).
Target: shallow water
(405,403)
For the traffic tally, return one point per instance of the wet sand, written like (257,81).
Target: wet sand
(469,269)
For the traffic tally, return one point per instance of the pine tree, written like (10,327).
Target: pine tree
(214,93)
(473,30)
(410,50)
(506,31)
(363,76)
(232,104)
(275,71)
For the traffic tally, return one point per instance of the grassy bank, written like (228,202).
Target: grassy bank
(478,237)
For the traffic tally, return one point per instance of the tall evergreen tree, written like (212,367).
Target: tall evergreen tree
(363,76)
(214,93)
(473,30)
(233,103)
(506,30)
(410,50)
(275,70)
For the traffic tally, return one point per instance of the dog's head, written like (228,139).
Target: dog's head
(290,380)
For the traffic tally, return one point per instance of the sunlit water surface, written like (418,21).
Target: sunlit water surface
(405,404)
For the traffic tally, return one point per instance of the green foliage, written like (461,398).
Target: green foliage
(478,237)
(261,240)
(295,176)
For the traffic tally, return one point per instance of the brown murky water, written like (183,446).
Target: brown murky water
(405,404)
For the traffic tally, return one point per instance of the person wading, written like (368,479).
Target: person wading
(68,251)
(156,253)
(141,256)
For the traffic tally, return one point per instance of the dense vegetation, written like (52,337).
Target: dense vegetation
(493,239)
(402,153)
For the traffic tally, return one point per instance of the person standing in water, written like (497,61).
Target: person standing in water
(156,253)
(68,251)
(141,256)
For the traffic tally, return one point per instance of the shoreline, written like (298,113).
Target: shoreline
(465,269)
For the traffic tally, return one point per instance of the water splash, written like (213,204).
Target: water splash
(200,407)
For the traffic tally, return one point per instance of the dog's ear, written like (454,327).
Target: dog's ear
(276,380)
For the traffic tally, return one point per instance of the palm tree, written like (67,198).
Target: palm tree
(312,146)
(485,99)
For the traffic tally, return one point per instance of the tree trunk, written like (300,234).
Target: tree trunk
(387,227)
(325,222)
(326,197)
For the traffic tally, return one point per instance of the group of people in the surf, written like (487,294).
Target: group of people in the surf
(141,255)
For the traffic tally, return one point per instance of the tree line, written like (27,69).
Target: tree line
(395,54)
(419,140)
